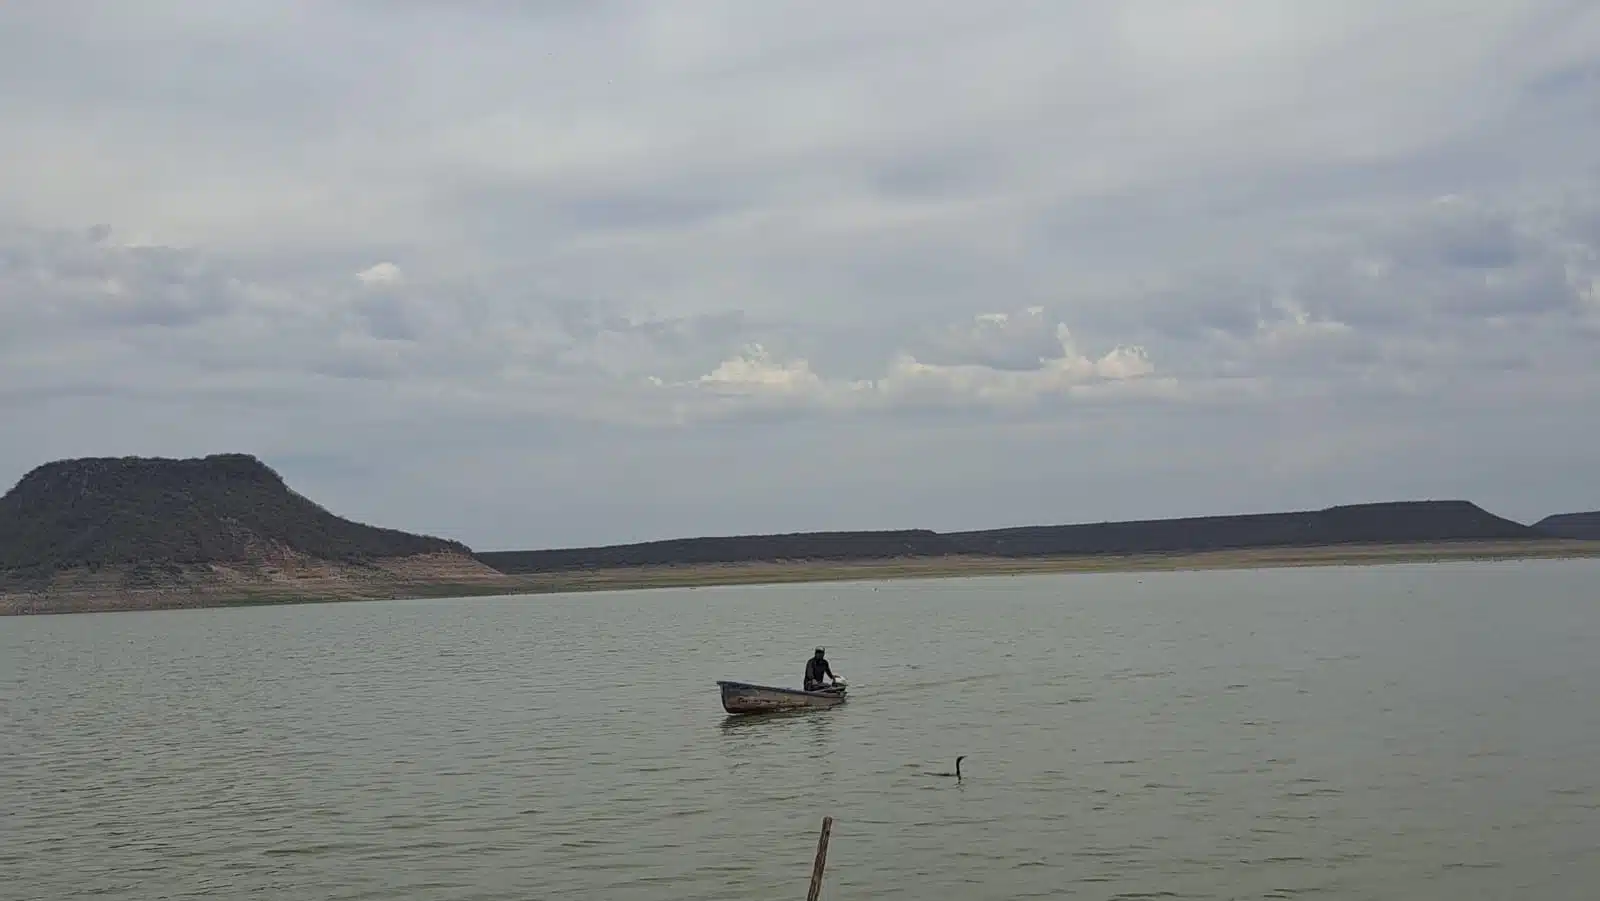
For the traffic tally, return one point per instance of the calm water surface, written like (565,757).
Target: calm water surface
(1418,732)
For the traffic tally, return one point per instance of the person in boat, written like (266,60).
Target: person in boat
(816,668)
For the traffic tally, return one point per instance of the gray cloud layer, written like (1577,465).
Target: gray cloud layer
(555,273)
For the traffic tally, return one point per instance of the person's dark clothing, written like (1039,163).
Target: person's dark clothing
(816,668)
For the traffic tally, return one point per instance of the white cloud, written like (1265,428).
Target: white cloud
(380,274)
(1293,331)
(756,375)
(1060,374)
(755,370)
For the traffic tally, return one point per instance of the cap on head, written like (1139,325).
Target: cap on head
(821,651)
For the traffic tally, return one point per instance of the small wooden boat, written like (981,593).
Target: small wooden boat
(742,697)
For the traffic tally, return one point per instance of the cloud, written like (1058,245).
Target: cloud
(107,303)
(909,381)
(541,245)
(380,274)
(1453,283)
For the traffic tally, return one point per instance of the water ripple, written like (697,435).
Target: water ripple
(1292,734)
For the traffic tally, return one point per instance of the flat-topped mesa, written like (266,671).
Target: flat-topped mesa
(1396,522)
(225,508)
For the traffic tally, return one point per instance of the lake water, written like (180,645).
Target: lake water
(1416,732)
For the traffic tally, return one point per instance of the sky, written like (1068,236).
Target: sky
(534,274)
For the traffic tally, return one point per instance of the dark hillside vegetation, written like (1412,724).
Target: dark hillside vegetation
(1406,522)
(1585,526)
(115,511)
(1403,522)
(796,546)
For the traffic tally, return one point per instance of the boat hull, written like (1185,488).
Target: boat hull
(743,698)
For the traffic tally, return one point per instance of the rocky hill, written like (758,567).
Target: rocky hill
(1584,526)
(1409,522)
(113,527)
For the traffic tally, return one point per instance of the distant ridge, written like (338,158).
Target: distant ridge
(827,546)
(1584,526)
(1401,522)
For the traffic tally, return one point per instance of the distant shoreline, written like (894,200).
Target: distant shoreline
(777,572)
(781,572)
(107,534)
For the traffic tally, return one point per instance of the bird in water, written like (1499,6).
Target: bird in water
(957,773)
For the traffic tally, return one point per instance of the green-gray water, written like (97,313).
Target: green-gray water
(1416,732)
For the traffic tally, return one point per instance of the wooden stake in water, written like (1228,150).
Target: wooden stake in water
(822,860)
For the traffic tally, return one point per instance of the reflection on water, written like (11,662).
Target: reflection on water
(1385,733)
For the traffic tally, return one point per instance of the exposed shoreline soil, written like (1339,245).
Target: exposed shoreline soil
(301,581)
